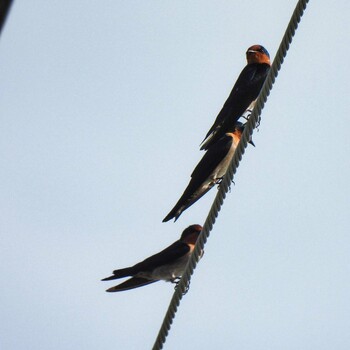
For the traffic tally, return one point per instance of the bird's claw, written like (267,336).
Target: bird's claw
(246,115)
(177,281)
(218,182)
(258,124)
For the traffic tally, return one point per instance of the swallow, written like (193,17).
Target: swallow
(168,265)
(209,171)
(243,95)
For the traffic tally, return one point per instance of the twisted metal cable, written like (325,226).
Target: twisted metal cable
(225,184)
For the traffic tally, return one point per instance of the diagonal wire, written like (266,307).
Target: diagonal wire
(224,187)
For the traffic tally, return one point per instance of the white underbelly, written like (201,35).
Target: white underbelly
(221,169)
(168,272)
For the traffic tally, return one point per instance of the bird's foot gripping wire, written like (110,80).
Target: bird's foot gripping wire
(246,115)
(258,124)
(177,281)
(229,187)
(218,182)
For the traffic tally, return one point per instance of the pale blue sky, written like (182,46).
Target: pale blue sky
(103,107)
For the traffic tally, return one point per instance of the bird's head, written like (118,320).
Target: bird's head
(239,128)
(191,233)
(258,54)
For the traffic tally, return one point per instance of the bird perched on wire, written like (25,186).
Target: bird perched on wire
(168,265)
(210,170)
(243,94)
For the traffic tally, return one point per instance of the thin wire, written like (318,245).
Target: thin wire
(224,187)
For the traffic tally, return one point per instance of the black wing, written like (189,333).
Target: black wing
(199,184)
(212,158)
(128,271)
(244,92)
(131,283)
(166,256)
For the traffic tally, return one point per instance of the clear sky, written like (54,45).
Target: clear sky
(103,108)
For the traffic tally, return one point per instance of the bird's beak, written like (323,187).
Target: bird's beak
(251,51)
